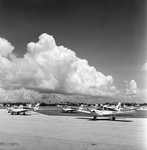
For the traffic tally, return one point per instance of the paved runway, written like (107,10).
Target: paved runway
(41,132)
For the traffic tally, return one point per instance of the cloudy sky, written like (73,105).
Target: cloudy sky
(86,47)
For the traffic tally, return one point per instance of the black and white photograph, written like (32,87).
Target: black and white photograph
(73,74)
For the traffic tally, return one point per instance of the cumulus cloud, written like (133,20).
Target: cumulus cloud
(132,87)
(133,93)
(5,47)
(144,67)
(49,67)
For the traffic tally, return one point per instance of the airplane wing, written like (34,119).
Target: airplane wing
(84,111)
(67,109)
(125,112)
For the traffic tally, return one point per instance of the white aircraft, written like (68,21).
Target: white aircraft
(67,109)
(20,109)
(129,108)
(106,112)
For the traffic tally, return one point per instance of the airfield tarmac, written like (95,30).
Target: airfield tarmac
(36,131)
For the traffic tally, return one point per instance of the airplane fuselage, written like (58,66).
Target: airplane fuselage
(102,112)
(18,111)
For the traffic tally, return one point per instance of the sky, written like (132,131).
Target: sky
(84,47)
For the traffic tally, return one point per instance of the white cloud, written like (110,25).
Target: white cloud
(144,67)
(46,43)
(5,47)
(47,66)
(132,87)
(133,93)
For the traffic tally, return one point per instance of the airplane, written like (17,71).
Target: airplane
(106,112)
(20,109)
(68,109)
(129,107)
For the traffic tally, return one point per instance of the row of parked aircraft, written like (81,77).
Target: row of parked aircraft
(100,111)
(96,111)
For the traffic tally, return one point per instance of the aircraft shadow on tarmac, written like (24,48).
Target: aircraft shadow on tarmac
(117,120)
(26,115)
(22,115)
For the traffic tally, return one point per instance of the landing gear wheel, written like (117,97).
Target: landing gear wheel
(94,118)
(17,113)
(11,113)
(24,113)
(113,118)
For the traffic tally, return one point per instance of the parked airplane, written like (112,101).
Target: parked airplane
(67,109)
(129,107)
(18,110)
(106,112)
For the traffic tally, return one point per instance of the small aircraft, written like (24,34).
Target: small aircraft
(129,107)
(20,109)
(67,109)
(106,112)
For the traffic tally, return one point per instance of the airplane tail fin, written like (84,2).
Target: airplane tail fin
(81,107)
(118,106)
(37,106)
(59,106)
(20,107)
